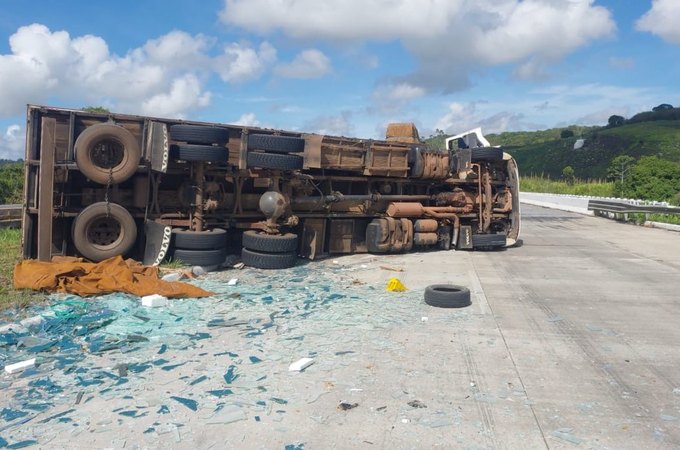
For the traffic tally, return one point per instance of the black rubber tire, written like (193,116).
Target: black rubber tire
(488,240)
(199,257)
(99,143)
(199,134)
(199,240)
(100,232)
(270,243)
(489,154)
(274,161)
(276,144)
(447,296)
(189,152)
(261,260)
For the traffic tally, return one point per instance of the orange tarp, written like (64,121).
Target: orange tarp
(73,276)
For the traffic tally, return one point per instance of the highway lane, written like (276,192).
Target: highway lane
(589,311)
(572,339)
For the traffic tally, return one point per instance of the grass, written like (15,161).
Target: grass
(10,254)
(579,187)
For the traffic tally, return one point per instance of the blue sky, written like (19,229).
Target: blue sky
(343,67)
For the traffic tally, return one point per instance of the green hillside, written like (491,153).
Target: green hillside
(546,153)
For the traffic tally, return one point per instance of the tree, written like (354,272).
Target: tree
(619,167)
(566,134)
(568,174)
(96,109)
(652,178)
(615,121)
(662,107)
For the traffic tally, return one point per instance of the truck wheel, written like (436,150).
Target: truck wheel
(275,144)
(199,134)
(102,231)
(447,296)
(261,260)
(488,240)
(107,153)
(199,240)
(274,161)
(189,152)
(199,257)
(488,154)
(270,243)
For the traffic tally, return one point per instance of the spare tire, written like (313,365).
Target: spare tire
(270,243)
(199,134)
(276,144)
(199,257)
(190,152)
(107,153)
(261,260)
(102,231)
(274,161)
(199,240)
(447,296)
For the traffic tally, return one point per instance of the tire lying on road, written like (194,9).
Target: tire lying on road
(447,296)
(269,243)
(261,260)
(199,240)
(107,153)
(102,231)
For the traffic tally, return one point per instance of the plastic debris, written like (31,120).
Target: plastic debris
(173,276)
(154,301)
(347,406)
(32,321)
(20,366)
(198,271)
(416,404)
(395,285)
(232,282)
(239,266)
(301,364)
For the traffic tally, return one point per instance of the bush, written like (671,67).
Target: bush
(652,179)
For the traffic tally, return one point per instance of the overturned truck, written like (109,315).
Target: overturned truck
(102,185)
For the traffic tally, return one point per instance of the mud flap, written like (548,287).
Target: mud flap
(465,238)
(157,146)
(157,243)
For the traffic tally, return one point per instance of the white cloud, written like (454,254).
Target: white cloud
(164,77)
(240,62)
(448,38)
(12,143)
(247,120)
(185,94)
(334,125)
(465,116)
(391,98)
(532,70)
(662,20)
(621,63)
(310,63)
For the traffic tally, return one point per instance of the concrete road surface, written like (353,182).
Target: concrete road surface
(572,341)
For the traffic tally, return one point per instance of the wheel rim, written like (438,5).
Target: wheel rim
(104,233)
(107,153)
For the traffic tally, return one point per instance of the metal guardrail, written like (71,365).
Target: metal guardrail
(622,207)
(10,216)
